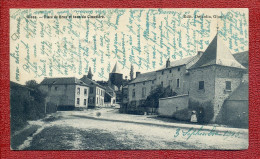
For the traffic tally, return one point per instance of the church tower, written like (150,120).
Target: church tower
(90,75)
(115,78)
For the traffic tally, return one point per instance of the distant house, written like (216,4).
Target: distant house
(110,96)
(96,92)
(66,93)
(140,87)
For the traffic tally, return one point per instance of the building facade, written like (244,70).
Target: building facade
(96,93)
(209,76)
(66,93)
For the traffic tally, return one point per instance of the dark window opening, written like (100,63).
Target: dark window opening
(91,90)
(78,101)
(162,72)
(201,85)
(85,91)
(178,83)
(85,101)
(228,85)
(170,71)
(133,95)
(179,68)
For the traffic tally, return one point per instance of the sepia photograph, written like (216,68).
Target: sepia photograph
(129,79)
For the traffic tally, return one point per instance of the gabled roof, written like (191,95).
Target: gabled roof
(62,81)
(217,54)
(177,63)
(241,93)
(149,76)
(116,69)
(90,82)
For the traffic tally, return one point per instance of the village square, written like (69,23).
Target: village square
(198,102)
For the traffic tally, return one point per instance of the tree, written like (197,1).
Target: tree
(31,84)
(159,92)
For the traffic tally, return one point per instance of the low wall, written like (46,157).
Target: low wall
(168,106)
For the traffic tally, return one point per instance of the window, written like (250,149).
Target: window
(134,84)
(178,83)
(85,91)
(152,82)
(85,101)
(201,85)
(143,83)
(170,71)
(91,90)
(179,68)
(78,90)
(133,93)
(56,88)
(162,84)
(228,85)
(78,101)
(97,100)
(143,92)
(162,72)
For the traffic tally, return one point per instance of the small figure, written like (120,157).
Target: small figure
(193,117)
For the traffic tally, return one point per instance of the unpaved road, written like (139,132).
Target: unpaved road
(86,131)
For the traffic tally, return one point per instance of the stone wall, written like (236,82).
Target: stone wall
(168,106)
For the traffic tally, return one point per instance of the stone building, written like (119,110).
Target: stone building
(96,93)
(209,76)
(66,93)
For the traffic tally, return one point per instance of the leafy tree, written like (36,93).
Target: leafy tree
(31,84)
(159,92)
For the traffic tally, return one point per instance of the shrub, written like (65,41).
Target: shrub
(183,115)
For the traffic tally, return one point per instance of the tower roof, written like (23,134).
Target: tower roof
(217,54)
(116,69)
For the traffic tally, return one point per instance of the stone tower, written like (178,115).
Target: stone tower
(115,78)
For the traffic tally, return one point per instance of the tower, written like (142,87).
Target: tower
(90,75)
(115,78)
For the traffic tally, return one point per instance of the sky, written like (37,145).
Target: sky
(66,42)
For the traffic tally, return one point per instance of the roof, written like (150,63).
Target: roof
(176,63)
(116,69)
(217,54)
(144,77)
(62,81)
(241,93)
(90,82)
(242,57)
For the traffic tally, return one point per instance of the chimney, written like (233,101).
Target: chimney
(137,73)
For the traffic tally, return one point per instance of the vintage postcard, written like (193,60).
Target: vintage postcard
(129,79)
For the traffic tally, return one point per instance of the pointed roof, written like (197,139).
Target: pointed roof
(116,69)
(90,82)
(217,54)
